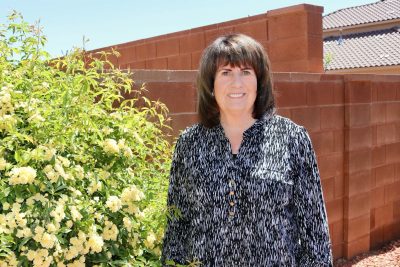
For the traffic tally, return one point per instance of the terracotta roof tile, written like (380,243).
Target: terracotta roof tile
(368,49)
(374,12)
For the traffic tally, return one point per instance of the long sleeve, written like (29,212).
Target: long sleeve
(175,238)
(310,209)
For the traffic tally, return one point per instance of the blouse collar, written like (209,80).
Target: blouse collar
(257,126)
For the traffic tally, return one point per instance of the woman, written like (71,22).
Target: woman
(245,180)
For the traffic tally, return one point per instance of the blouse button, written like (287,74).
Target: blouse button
(231,183)
(231,213)
(231,193)
(231,203)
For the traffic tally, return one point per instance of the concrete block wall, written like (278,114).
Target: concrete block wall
(291,35)
(354,124)
(385,160)
(316,102)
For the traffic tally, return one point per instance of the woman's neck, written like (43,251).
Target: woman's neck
(234,127)
(236,123)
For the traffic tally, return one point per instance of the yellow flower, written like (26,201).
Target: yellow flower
(3,164)
(104,174)
(127,223)
(133,241)
(51,227)
(31,255)
(43,153)
(94,186)
(128,152)
(131,194)
(78,263)
(20,219)
(75,214)
(95,243)
(7,122)
(121,143)
(45,85)
(107,130)
(60,170)
(79,172)
(64,161)
(38,233)
(49,153)
(47,240)
(149,242)
(51,174)
(16,207)
(157,251)
(110,146)
(36,118)
(6,206)
(11,260)
(138,252)
(140,215)
(5,98)
(58,213)
(40,258)
(69,224)
(132,208)
(25,232)
(30,202)
(22,175)
(75,248)
(114,203)
(110,231)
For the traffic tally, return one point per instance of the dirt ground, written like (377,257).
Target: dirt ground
(388,256)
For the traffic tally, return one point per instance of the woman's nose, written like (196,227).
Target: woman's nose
(237,79)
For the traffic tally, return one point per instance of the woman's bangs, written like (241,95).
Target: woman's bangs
(234,59)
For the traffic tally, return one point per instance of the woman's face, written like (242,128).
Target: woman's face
(235,90)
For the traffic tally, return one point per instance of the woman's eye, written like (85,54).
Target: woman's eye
(246,72)
(225,73)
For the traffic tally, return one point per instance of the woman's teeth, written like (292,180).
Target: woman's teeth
(236,95)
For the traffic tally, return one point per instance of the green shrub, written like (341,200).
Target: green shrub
(82,179)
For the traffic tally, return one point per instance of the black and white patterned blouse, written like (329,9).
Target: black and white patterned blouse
(263,207)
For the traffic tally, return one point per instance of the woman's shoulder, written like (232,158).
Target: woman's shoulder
(286,125)
(193,140)
(193,134)
(295,134)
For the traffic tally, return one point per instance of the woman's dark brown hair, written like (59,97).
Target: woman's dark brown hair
(236,50)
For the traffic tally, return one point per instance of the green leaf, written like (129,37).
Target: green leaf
(18,156)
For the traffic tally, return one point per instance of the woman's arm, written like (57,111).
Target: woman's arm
(310,209)
(175,238)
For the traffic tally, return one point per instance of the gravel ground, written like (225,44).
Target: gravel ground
(388,256)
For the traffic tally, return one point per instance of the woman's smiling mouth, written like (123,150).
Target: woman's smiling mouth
(236,95)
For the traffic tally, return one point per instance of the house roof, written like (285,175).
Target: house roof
(379,11)
(362,50)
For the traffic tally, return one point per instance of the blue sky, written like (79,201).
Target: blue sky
(110,22)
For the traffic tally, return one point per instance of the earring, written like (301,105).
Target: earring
(212,93)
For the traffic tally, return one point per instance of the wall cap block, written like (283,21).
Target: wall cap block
(295,8)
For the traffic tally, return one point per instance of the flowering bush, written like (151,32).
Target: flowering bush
(82,170)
